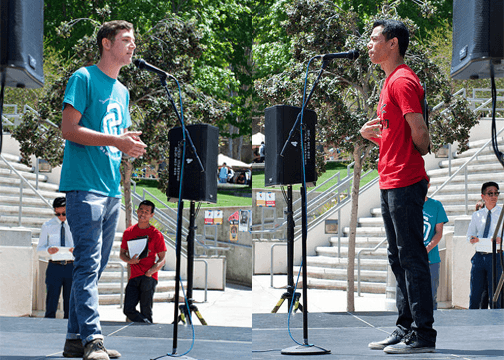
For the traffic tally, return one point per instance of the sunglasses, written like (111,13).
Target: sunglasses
(493,193)
(60,214)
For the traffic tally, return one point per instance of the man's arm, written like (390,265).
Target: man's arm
(158,265)
(419,132)
(124,256)
(128,142)
(436,238)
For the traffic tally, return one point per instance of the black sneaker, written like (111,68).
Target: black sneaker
(411,344)
(394,338)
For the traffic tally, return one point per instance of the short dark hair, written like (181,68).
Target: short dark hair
(395,29)
(148,203)
(488,184)
(109,30)
(59,202)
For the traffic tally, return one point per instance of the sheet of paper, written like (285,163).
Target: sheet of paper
(62,254)
(136,246)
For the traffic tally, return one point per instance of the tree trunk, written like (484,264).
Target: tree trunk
(353,229)
(127,170)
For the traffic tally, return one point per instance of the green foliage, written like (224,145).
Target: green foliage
(348,92)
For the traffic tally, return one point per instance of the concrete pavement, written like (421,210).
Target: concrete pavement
(234,306)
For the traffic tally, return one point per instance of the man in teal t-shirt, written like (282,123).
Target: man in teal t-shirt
(94,124)
(434,219)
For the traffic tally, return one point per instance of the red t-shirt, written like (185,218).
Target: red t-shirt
(400,164)
(156,244)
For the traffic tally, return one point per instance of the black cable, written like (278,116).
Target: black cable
(495,145)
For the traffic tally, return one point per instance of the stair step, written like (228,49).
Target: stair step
(367,231)
(379,276)
(361,241)
(368,287)
(333,252)
(341,263)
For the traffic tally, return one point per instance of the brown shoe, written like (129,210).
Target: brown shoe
(94,350)
(74,349)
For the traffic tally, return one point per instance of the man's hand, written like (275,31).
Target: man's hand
(52,250)
(134,260)
(474,240)
(371,130)
(498,240)
(130,144)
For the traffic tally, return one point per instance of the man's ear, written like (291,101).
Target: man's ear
(106,43)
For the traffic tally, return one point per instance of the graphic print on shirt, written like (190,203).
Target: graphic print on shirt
(111,125)
(384,123)
(427,228)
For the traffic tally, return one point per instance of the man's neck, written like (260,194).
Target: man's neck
(391,65)
(144,225)
(108,68)
(490,207)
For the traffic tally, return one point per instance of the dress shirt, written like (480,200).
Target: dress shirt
(50,235)
(477,226)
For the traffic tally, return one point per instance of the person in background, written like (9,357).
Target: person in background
(262,152)
(480,232)
(143,272)
(223,173)
(434,219)
(55,238)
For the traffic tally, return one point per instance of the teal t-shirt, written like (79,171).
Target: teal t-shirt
(103,103)
(433,213)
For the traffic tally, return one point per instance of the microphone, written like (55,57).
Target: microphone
(144,65)
(352,55)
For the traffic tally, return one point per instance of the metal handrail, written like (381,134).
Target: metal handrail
(23,179)
(271,260)
(123,269)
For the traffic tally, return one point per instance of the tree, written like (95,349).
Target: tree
(348,92)
(172,43)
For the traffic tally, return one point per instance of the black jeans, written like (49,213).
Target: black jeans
(139,289)
(403,219)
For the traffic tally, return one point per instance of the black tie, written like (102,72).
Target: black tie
(487,224)
(62,234)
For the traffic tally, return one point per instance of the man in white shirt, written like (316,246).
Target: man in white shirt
(479,233)
(56,244)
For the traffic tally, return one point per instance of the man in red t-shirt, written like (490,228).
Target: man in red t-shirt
(143,272)
(402,135)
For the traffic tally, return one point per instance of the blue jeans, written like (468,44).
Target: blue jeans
(481,278)
(93,221)
(403,219)
(434,272)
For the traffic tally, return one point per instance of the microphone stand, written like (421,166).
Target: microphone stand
(306,348)
(178,246)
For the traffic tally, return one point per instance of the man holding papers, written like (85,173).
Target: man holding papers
(56,244)
(141,244)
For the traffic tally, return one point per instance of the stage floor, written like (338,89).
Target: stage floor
(462,334)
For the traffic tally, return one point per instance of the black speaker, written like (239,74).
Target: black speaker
(21,42)
(478,39)
(286,169)
(198,185)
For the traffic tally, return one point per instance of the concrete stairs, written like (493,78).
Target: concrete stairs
(109,287)
(327,269)
(35,212)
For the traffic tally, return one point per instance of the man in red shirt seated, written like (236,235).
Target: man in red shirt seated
(143,267)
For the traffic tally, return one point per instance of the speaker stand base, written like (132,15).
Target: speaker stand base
(305,350)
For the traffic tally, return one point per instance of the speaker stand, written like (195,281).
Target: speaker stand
(290,294)
(185,311)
